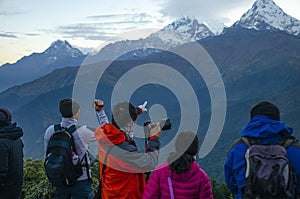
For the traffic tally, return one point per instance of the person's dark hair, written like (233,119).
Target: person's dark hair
(181,160)
(68,107)
(267,109)
(5,117)
(123,113)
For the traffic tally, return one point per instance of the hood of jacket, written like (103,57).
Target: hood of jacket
(11,132)
(180,163)
(263,127)
(108,135)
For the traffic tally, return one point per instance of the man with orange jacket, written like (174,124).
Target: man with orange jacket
(123,177)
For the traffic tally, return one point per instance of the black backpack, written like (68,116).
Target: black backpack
(269,174)
(62,164)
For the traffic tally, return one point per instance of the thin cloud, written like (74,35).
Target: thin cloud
(10,13)
(86,31)
(17,34)
(107,27)
(203,9)
(111,16)
(139,18)
(31,34)
(8,35)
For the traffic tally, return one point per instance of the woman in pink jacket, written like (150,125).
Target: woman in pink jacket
(180,177)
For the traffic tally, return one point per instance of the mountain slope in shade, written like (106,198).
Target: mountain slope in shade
(266,15)
(17,96)
(60,54)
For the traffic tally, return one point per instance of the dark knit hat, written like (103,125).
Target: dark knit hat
(68,107)
(123,113)
(267,109)
(5,116)
(182,141)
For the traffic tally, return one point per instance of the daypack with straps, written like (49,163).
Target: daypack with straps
(62,163)
(269,174)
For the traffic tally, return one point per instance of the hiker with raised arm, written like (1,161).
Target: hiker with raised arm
(122,165)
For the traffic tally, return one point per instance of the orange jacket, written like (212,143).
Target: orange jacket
(123,175)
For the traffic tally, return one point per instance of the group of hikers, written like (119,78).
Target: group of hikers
(263,163)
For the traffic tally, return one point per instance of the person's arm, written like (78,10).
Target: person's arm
(3,165)
(229,174)
(205,189)
(47,136)
(152,190)
(294,158)
(134,160)
(101,115)
(145,161)
(86,135)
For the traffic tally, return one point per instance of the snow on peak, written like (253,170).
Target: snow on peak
(61,48)
(189,28)
(266,15)
(181,31)
(58,43)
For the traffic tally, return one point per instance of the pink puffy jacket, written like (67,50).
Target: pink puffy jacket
(191,184)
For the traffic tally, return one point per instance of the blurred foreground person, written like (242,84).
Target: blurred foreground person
(11,157)
(265,161)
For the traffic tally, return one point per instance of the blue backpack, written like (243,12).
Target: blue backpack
(62,165)
(269,174)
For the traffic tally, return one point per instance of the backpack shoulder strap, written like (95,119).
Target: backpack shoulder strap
(249,141)
(57,127)
(235,142)
(71,129)
(171,187)
(296,144)
(246,141)
(288,142)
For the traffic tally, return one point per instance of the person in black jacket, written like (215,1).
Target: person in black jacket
(11,157)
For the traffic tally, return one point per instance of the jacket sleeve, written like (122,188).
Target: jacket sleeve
(152,190)
(47,136)
(205,189)
(3,165)
(138,161)
(235,169)
(153,145)
(86,135)
(294,158)
(229,174)
(102,117)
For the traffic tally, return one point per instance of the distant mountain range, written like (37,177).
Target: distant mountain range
(59,55)
(258,58)
(264,15)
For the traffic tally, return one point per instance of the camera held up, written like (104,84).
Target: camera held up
(165,124)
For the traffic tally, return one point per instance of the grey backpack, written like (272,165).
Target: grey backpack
(269,173)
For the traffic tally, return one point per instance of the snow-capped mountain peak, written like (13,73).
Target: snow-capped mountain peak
(189,27)
(181,31)
(266,15)
(60,47)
